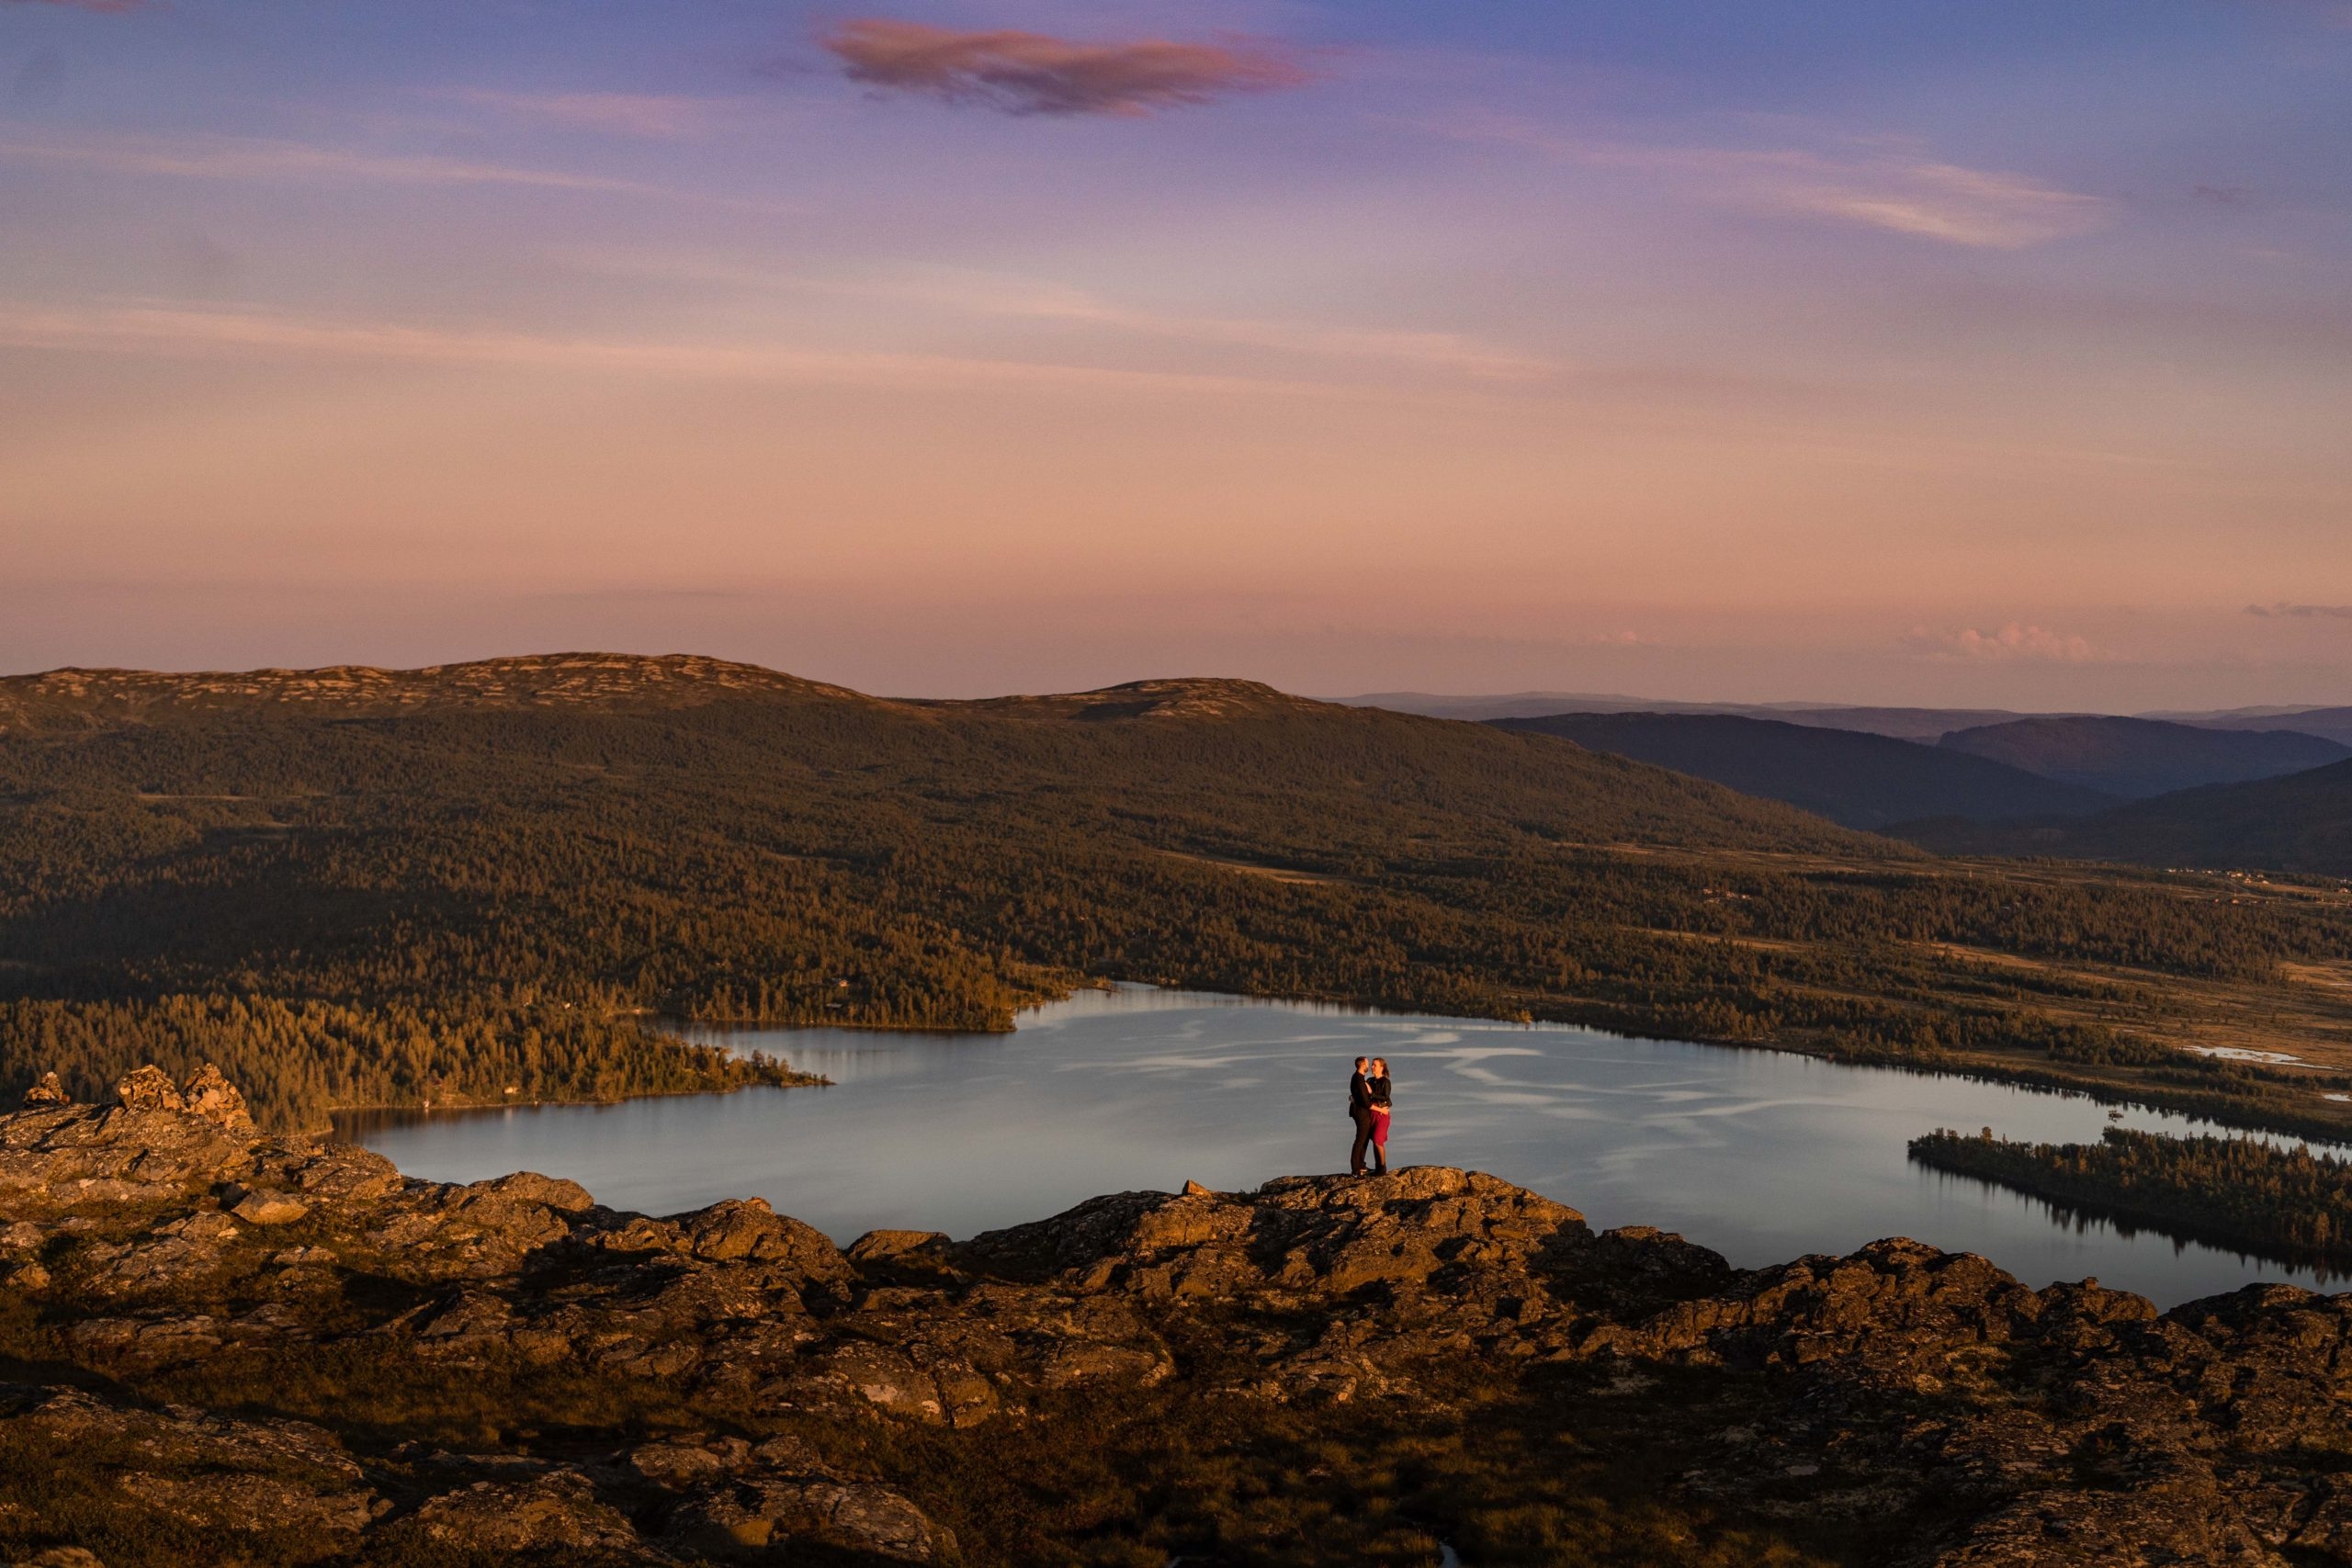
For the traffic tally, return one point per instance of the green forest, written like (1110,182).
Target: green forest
(2241,1194)
(451,897)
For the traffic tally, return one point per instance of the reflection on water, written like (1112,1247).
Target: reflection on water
(1761,1155)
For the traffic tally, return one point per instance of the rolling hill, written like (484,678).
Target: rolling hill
(360,886)
(2139,757)
(1860,780)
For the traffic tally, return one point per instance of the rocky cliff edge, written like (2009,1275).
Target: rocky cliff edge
(161,1242)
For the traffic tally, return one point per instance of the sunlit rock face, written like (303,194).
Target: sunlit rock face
(159,1239)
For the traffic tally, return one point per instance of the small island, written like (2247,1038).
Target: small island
(2241,1194)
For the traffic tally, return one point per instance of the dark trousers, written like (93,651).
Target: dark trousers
(1362,1118)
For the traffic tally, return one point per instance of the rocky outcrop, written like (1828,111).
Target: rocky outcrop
(161,1239)
(212,1096)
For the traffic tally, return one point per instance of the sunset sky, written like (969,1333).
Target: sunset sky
(1996,353)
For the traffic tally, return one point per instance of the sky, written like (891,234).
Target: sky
(1756,350)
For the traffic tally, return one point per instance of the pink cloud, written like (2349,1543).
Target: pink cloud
(1032,74)
(2013,642)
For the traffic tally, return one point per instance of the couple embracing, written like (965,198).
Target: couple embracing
(1368,1109)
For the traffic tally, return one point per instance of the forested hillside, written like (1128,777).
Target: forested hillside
(362,888)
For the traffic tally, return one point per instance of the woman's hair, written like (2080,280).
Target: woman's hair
(1381,1062)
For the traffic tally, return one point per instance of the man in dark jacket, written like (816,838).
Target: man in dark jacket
(1360,1112)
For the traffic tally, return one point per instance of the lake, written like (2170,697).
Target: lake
(1760,1154)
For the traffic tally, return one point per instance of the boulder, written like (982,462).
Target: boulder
(747,1229)
(269,1208)
(479,1230)
(49,1091)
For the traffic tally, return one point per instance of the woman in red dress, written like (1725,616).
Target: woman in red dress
(1377,1087)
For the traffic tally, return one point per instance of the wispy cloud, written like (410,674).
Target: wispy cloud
(1034,73)
(1022,299)
(628,114)
(1880,187)
(1429,350)
(2285,611)
(2012,643)
(1935,201)
(241,158)
(174,331)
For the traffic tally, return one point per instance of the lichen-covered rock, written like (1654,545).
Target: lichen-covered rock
(771,1514)
(182,1254)
(879,1247)
(555,1511)
(233,1479)
(64,1156)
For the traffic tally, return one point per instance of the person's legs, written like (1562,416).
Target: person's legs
(1380,1144)
(1364,1135)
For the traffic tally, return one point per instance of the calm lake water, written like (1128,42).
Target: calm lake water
(1761,1155)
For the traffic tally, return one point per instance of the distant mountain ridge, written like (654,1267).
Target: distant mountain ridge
(1857,779)
(2299,823)
(2329,724)
(1904,723)
(2137,759)
(1900,723)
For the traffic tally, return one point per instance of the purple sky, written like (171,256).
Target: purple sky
(1994,354)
